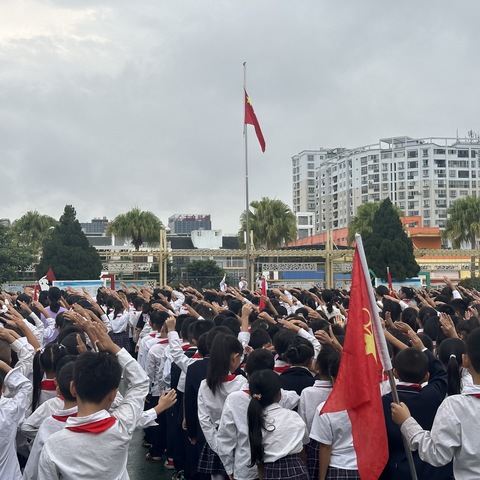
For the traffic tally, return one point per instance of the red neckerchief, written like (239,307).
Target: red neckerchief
(281,369)
(230,377)
(48,384)
(63,418)
(415,386)
(246,391)
(153,335)
(163,341)
(196,355)
(476,395)
(94,427)
(185,347)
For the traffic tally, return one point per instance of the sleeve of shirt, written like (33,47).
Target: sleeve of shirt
(106,321)
(227,437)
(302,407)
(42,326)
(131,408)
(32,423)
(456,295)
(244,338)
(208,427)
(47,469)
(25,354)
(438,446)
(289,399)
(147,419)
(119,324)
(21,394)
(321,428)
(39,334)
(177,353)
(311,338)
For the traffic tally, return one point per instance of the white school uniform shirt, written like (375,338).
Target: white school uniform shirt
(120,322)
(154,367)
(12,412)
(311,398)
(232,436)
(335,429)
(210,406)
(178,303)
(288,425)
(455,434)
(25,354)
(49,426)
(144,346)
(179,358)
(133,317)
(71,455)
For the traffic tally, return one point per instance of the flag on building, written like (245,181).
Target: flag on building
(251,119)
(357,389)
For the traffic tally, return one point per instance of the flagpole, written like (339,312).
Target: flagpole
(247,202)
(382,345)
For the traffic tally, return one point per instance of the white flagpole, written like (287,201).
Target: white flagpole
(247,202)
(381,344)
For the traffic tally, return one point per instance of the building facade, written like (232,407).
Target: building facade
(422,176)
(184,224)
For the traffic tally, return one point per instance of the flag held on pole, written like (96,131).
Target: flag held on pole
(251,119)
(357,388)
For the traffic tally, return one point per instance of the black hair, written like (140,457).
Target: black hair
(158,318)
(258,338)
(473,349)
(45,360)
(95,375)
(300,352)
(382,290)
(408,292)
(200,327)
(64,378)
(282,340)
(460,306)
(214,332)
(66,331)
(328,361)
(328,296)
(232,324)
(223,347)
(409,316)
(202,345)
(450,353)
(71,344)
(235,306)
(426,340)
(264,388)
(54,296)
(185,327)
(411,365)
(392,307)
(260,359)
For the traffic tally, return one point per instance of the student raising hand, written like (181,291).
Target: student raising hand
(103,341)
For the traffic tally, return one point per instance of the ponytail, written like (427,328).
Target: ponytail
(54,295)
(264,390)
(450,353)
(453,374)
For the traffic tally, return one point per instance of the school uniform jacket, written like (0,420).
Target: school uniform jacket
(12,412)
(196,372)
(423,404)
(296,378)
(82,455)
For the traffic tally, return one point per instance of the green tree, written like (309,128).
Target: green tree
(272,223)
(388,245)
(204,273)
(463,225)
(362,222)
(68,252)
(31,230)
(141,226)
(13,259)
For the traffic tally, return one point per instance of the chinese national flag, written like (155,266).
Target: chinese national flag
(357,387)
(264,292)
(251,119)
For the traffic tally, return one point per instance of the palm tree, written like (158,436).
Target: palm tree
(141,226)
(463,224)
(31,230)
(362,222)
(272,223)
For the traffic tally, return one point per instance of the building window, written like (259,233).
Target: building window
(412,165)
(310,158)
(425,152)
(463,174)
(412,154)
(401,165)
(311,166)
(439,151)
(462,153)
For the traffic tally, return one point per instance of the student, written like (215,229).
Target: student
(44,366)
(226,355)
(232,437)
(95,444)
(455,431)
(156,321)
(12,412)
(269,425)
(328,363)
(300,355)
(414,367)
(55,422)
(450,353)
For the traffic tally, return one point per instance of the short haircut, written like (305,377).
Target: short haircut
(200,327)
(232,324)
(158,318)
(382,290)
(64,378)
(473,349)
(282,340)
(258,338)
(411,365)
(95,375)
(260,359)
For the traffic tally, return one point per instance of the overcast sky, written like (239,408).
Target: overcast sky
(107,105)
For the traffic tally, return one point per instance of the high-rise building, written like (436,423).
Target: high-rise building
(96,227)
(184,223)
(422,176)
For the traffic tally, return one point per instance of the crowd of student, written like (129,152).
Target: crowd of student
(229,383)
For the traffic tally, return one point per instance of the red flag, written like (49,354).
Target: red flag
(251,119)
(264,292)
(390,284)
(357,387)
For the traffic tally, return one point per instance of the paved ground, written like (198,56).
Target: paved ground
(138,468)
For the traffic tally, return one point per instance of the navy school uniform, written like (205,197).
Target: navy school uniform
(296,378)
(423,404)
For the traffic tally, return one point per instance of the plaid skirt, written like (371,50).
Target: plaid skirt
(311,449)
(287,468)
(209,462)
(340,474)
(121,339)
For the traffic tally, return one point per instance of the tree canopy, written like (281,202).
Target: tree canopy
(272,222)
(204,273)
(13,259)
(387,245)
(68,252)
(138,225)
(31,230)
(463,224)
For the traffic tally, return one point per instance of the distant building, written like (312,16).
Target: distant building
(5,222)
(96,227)
(185,223)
